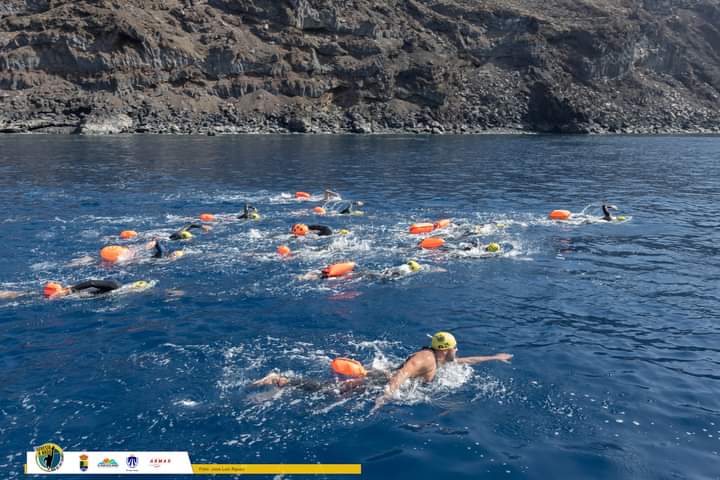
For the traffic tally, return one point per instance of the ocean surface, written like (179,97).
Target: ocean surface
(614,325)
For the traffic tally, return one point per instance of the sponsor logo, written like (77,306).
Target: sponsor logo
(108,463)
(49,457)
(84,463)
(132,461)
(158,462)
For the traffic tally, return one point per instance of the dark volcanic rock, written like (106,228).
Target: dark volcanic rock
(233,66)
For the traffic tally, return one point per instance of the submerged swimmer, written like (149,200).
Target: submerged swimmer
(249,213)
(394,273)
(424,364)
(184,232)
(161,250)
(330,195)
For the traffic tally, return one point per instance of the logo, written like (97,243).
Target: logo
(159,462)
(49,457)
(131,461)
(108,463)
(84,463)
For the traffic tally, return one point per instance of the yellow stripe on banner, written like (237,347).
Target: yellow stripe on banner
(25,468)
(277,469)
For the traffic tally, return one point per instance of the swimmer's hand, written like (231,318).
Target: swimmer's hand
(379,402)
(503,357)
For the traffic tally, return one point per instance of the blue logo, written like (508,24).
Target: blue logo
(131,461)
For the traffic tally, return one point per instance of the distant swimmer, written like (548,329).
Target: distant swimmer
(330,195)
(425,363)
(350,208)
(185,234)
(394,273)
(91,288)
(249,213)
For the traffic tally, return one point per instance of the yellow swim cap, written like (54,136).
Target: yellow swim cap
(414,266)
(185,235)
(343,232)
(254,216)
(139,284)
(620,218)
(443,341)
(492,247)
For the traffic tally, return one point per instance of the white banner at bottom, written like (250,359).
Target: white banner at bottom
(54,461)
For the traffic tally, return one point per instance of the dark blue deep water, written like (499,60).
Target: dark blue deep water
(614,326)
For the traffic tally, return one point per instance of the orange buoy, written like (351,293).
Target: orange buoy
(113,253)
(432,242)
(51,289)
(283,250)
(348,367)
(416,228)
(300,229)
(338,269)
(302,195)
(207,217)
(319,210)
(560,214)
(441,223)
(125,234)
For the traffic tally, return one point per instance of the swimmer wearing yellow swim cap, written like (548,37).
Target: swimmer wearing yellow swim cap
(424,364)
(249,213)
(414,266)
(139,285)
(492,247)
(184,232)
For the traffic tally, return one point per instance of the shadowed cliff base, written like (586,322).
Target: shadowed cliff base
(364,66)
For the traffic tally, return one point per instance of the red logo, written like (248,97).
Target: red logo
(159,462)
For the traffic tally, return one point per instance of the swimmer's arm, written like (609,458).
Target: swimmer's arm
(413,368)
(502,357)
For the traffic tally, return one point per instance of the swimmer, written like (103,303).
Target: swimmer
(249,213)
(350,208)
(91,288)
(424,364)
(320,230)
(376,377)
(160,250)
(330,195)
(185,234)
(606,212)
(335,270)
(394,273)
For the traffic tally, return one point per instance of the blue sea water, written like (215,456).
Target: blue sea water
(614,326)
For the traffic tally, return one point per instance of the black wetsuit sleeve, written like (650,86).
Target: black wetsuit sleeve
(161,249)
(100,286)
(178,235)
(322,230)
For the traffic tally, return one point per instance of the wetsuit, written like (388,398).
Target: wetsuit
(321,230)
(161,250)
(178,235)
(248,211)
(98,286)
(606,213)
(347,208)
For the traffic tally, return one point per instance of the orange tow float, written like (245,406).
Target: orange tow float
(302,195)
(441,223)
(300,229)
(432,243)
(284,250)
(113,253)
(126,234)
(319,210)
(348,367)
(338,269)
(51,289)
(207,217)
(560,214)
(417,228)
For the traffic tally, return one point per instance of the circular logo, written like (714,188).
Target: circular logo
(49,457)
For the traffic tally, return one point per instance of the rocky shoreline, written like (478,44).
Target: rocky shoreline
(216,67)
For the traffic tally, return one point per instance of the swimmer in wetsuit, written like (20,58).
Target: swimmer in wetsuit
(606,212)
(424,364)
(394,273)
(320,230)
(161,250)
(249,213)
(185,234)
(330,195)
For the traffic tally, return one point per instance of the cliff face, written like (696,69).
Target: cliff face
(103,66)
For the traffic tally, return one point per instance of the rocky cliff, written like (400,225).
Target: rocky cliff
(224,66)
